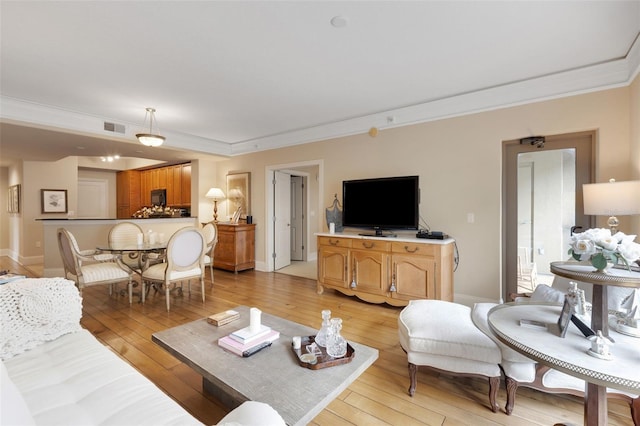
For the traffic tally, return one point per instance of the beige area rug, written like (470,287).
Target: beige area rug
(301,269)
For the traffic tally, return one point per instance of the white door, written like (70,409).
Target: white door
(93,196)
(282,219)
(297,218)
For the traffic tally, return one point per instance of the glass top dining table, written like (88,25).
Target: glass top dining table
(140,248)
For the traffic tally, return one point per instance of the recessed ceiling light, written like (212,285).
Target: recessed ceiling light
(339,21)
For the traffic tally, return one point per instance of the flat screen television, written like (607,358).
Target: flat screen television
(381,203)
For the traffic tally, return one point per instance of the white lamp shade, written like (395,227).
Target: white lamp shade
(612,198)
(215,193)
(150,140)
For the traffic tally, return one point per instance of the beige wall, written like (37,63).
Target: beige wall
(458,161)
(459,164)
(37,175)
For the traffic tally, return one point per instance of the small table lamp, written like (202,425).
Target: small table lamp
(612,199)
(216,194)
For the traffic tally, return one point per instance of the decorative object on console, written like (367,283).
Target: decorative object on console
(577,298)
(612,199)
(236,215)
(150,139)
(334,215)
(599,247)
(600,346)
(239,192)
(629,323)
(215,194)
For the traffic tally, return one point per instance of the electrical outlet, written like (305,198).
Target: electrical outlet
(38,244)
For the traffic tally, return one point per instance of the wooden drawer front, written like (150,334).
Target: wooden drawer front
(335,242)
(372,245)
(414,248)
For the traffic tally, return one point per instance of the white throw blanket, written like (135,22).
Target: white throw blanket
(34,311)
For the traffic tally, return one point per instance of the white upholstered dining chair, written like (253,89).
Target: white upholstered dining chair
(210,231)
(89,268)
(184,261)
(124,234)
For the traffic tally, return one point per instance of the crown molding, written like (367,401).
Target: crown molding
(603,76)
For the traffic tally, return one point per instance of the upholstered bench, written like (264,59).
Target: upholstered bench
(441,335)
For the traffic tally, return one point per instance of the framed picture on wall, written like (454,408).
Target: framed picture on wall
(13,199)
(238,193)
(54,200)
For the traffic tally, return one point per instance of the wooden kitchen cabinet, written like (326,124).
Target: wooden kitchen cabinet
(175,179)
(186,185)
(174,185)
(235,250)
(127,193)
(381,271)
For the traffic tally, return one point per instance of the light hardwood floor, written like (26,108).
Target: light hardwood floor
(379,396)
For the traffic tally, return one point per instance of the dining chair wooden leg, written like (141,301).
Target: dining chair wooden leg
(168,291)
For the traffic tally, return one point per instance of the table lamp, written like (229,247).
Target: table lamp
(216,194)
(612,199)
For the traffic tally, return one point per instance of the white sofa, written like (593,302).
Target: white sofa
(54,372)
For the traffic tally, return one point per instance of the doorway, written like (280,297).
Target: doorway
(93,196)
(295,200)
(542,202)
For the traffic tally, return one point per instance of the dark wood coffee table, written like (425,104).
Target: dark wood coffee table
(272,375)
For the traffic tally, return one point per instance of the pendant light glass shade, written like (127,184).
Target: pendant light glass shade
(150,139)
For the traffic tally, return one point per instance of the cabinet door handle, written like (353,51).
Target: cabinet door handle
(354,275)
(368,245)
(392,287)
(406,248)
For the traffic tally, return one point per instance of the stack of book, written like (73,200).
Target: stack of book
(223,318)
(245,342)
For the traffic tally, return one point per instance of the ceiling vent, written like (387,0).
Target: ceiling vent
(113,127)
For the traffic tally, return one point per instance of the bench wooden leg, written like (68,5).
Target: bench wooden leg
(413,372)
(512,387)
(494,385)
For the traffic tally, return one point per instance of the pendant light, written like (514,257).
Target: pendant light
(150,139)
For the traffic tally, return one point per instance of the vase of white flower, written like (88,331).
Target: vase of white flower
(603,250)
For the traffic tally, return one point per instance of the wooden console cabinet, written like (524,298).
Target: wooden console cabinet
(384,270)
(236,248)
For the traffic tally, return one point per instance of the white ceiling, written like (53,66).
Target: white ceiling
(231,77)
